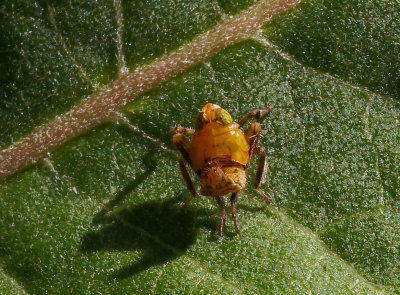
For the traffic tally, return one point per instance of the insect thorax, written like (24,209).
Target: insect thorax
(220,177)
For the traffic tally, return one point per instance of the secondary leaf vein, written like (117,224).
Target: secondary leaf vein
(13,282)
(120,25)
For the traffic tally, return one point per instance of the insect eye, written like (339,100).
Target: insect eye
(223,116)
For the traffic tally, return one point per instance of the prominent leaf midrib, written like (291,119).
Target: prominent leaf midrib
(103,104)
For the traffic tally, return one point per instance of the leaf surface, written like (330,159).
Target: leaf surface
(101,214)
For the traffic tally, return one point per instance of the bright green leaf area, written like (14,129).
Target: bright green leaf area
(355,40)
(102,215)
(7,286)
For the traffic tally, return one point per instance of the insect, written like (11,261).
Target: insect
(220,154)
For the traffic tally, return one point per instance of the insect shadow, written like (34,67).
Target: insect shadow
(158,229)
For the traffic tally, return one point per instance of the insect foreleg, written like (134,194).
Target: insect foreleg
(256,114)
(188,182)
(182,144)
(221,204)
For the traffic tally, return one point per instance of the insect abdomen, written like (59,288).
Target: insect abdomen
(218,179)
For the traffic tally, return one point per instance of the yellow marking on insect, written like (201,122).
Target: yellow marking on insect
(223,116)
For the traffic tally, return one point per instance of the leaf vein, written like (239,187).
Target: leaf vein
(317,239)
(13,281)
(258,36)
(120,26)
(122,119)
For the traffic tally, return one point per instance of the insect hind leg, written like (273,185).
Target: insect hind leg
(253,137)
(221,204)
(234,198)
(260,174)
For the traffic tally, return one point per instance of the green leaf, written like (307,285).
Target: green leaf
(101,214)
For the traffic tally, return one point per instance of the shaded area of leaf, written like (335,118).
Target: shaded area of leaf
(89,31)
(159,229)
(355,40)
(235,6)
(149,164)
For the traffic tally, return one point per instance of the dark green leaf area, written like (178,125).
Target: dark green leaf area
(355,40)
(40,80)
(89,31)
(326,141)
(128,162)
(235,6)
(153,28)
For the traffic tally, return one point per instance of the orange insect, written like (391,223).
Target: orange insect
(220,154)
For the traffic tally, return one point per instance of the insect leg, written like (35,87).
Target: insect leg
(253,137)
(259,175)
(221,204)
(183,130)
(183,146)
(188,182)
(234,198)
(257,114)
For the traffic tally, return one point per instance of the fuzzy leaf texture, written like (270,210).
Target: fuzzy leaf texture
(100,214)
